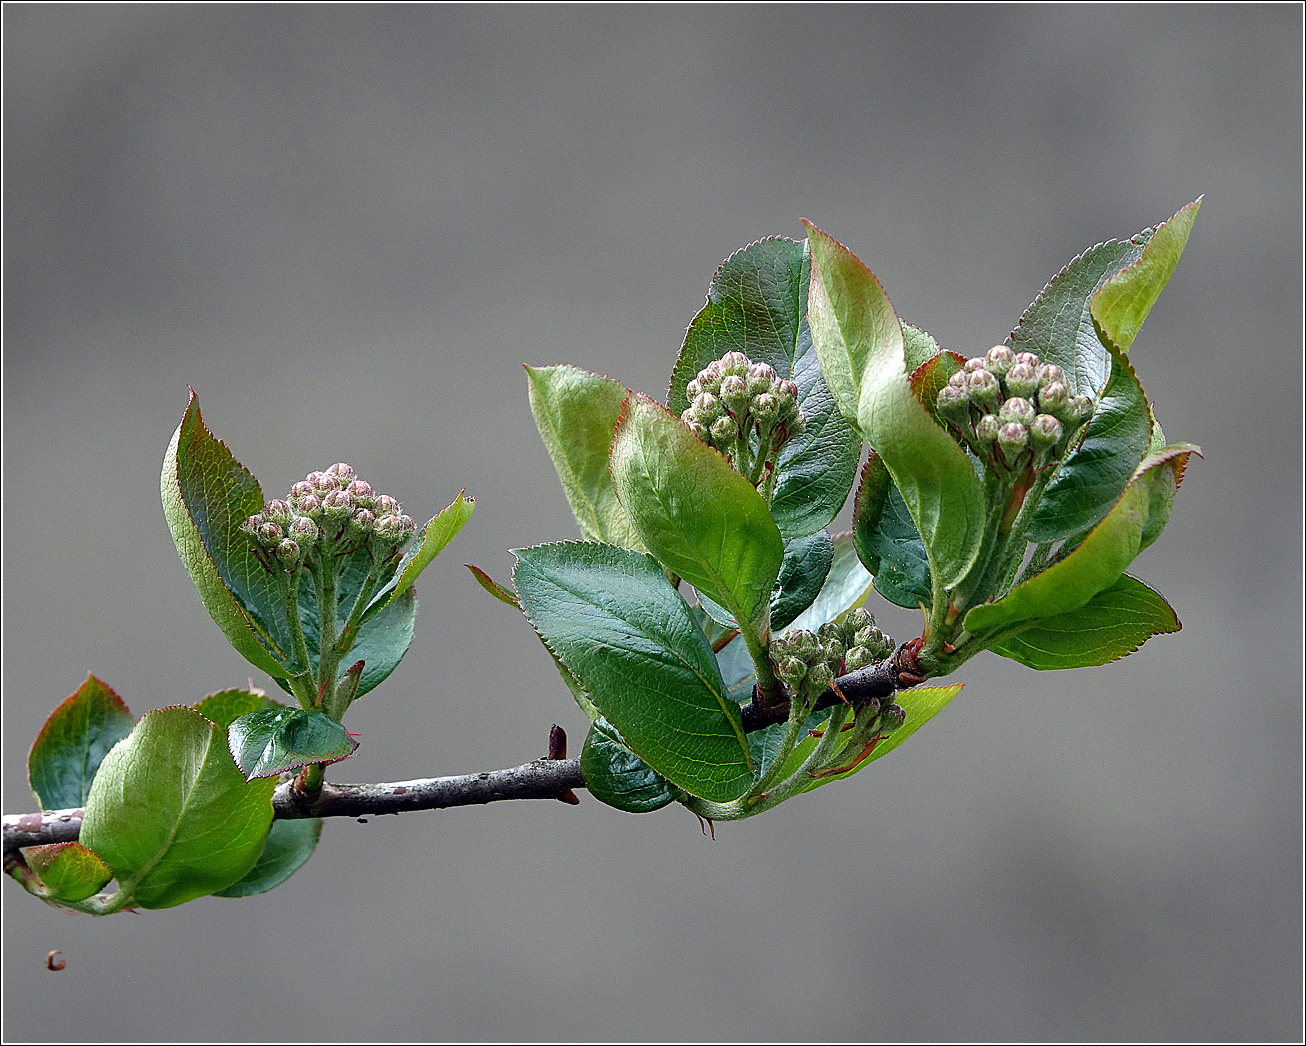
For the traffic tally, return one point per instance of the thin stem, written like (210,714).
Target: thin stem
(328,657)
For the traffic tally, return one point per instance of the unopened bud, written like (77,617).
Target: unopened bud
(362,520)
(1046,431)
(999,360)
(361,491)
(300,490)
(856,619)
(765,407)
(692,389)
(288,552)
(1022,379)
(337,505)
(1017,410)
(986,429)
(724,430)
(1049,373)
(953,404)
(792,671)
(857,657)
(819,678)
(983,389)
(1013,438)
(734,393)
(385,505)
(277,510)
(1054,399)
(1081,409)
(761,376)
(269,534)
(891,718)
(1030,359)
(304,530)
(310,505)
(344,473)
(250,527)
(734,363)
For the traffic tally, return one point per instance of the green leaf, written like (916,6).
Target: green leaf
(1093,474)
(1164,487)
(1114,623)
(1123,301)
(274,740)
(226,706)
(802,573)
(75,738)
(846,585)
(806,565)
(919,348)
(1096,563)
(617,776)
(170,813)
(887,540)
(921,704)
(207,495)
(68,872)
(612,618)
(757,305)
(576,412)
(928,378)
(289,844)
(860,344)
(1059,325)
(438,533)
(493,587)
(699,516)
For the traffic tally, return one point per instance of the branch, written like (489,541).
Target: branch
(551,778)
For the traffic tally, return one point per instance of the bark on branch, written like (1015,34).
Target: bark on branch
(550,778)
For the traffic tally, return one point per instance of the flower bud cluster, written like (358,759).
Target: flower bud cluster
(807,662)
(327,513)
(1015,411)
(734,398)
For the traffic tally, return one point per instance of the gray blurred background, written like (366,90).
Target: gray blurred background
(347,227)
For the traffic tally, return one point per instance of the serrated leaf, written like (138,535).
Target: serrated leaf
(289,844)
(1123,301)
(921,704)
(576,413)
(618,777)
(68,872)
(435,536)
(1098,560)
(207,494)
(757,305)
(74,740)
(171,814)
(846,585)
(929,377)
(271,741)
(1059,327)
(919,347)
(699,516)
(615,622)
(1093,474)
(887,540)
(226,706)
(860,343)
(1114,623)
(802,573)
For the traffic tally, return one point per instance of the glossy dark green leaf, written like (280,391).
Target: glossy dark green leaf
(576,412)
(802,573)
(615,622)
(271,741)
(1093,474)
(861,347)
(1059,325)
(289,844)
(1114,623)
(887,541)
(75,738)
(171,814)
(699,516)
(846,586)
(617,776)
(207,495)
(437,534)
(1123,301)
(757,305)
(67,872)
